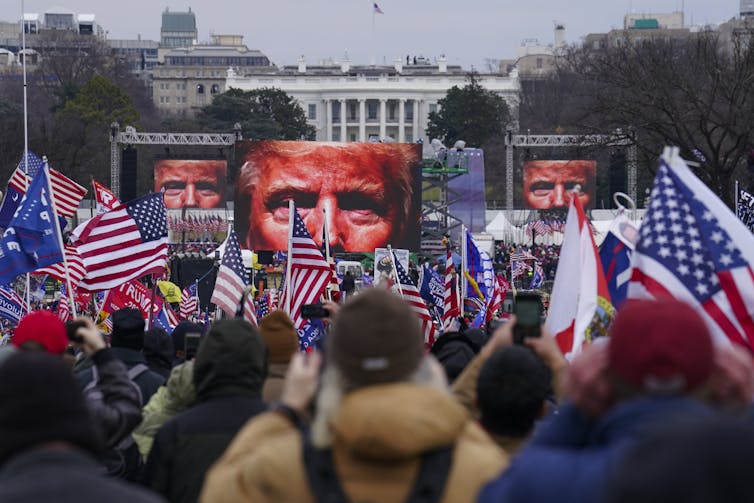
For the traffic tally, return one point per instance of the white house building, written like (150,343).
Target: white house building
(347,102)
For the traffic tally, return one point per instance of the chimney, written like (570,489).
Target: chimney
(398,64)
(442,64)
(301,64)
(559,35)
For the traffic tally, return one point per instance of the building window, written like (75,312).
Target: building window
(539,63)
(352,111)
(167,100)
(391,111)
(371,110)
(336,135)
(214,89)
(432,108)
(409,111)
(162,99)
(200,89)
(312,115)
(409,138)
(336,111)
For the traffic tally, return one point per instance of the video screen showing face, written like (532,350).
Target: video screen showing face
(370,193)
(549,184)
(191,183)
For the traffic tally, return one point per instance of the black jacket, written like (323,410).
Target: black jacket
(63,476)
(229,372)
(148,382)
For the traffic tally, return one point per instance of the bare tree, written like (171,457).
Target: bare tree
(690,93)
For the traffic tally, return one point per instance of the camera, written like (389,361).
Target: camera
(314,311)
(191,345)
(528,310)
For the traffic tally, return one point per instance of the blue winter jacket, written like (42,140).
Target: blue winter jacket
(570,456)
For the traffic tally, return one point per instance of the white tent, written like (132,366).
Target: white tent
(501,228)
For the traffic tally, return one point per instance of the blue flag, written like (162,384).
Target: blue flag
(31,240)
(615,254)
(479,266)
(312,335)
(432,288)
(538,278)
(162,321)
(14,194)
(12,307)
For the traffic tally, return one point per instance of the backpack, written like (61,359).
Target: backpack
(325,486)
(124,460)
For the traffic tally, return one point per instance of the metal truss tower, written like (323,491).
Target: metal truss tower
(616,139)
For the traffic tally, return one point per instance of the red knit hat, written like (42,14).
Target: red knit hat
(43,327)
(660,346)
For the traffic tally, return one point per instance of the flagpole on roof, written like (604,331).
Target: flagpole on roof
(735,199)
(288,264)
(58,232)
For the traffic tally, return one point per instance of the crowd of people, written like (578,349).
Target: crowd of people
(233,412)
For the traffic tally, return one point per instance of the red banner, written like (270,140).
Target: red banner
(132,294)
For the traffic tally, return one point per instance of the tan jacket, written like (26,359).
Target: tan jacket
(380,434)
(273,385)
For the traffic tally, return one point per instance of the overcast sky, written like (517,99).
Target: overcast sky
(466,31)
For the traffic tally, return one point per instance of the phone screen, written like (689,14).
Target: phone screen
(528,310)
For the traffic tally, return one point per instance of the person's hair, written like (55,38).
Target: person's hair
(396,159)
(158,348)
(334,386)
(511,390)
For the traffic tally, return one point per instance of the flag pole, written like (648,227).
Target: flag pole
(735,203)
(288,265)
(59,233)
(464,253)
(26,135)
(326,240)
(395,269)
(151,301)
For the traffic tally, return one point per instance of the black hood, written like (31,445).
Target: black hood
(231,360)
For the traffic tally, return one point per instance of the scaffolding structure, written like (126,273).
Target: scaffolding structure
(132,137)
(437,219)
(616,139)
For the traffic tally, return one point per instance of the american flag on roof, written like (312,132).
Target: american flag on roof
(692,247)
(411,295)
(231,278)
(124,244)
(310,272)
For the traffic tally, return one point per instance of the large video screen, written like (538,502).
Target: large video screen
(191,183)
(548,184)
(370,193)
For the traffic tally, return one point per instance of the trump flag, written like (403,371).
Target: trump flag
(692,247)
(580,306)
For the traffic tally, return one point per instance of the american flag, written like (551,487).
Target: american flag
(189,301)
(124,244)
(411,295)
(495,301)
(64,310)
(693,248)
(539,226)
(264,306)
(745,208)
(450,294)
(519,268)
(231,279)
(76,268)
(67,193)
(250,310)
(310,272)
